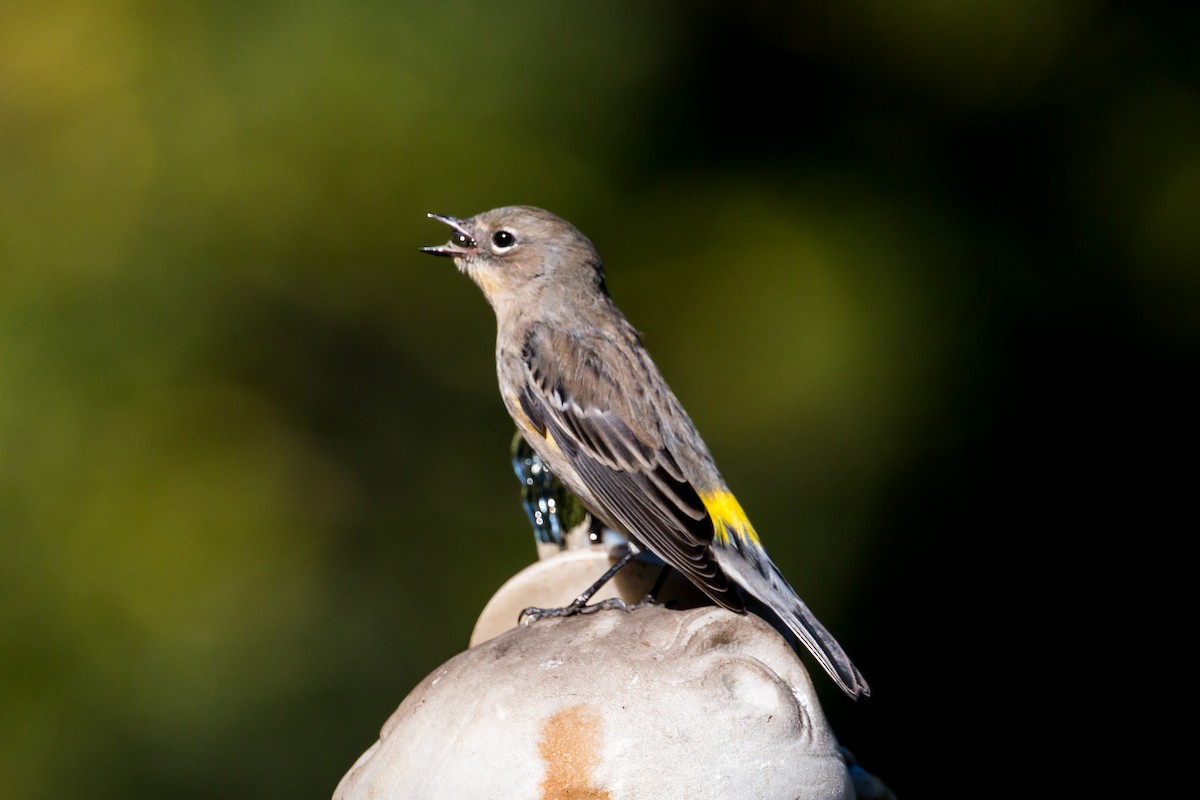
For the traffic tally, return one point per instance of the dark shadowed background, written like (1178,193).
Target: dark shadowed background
(916,270)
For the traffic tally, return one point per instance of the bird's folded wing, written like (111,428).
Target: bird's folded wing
(595,400)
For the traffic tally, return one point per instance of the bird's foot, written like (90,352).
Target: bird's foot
(533,614)
(649,601)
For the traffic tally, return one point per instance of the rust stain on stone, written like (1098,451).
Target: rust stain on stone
(570,746)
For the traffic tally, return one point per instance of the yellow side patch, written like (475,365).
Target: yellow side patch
(526,424)
(728,518)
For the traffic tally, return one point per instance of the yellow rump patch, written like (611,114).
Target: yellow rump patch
(728,518)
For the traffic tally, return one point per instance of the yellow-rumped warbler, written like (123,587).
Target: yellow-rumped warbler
(585,394)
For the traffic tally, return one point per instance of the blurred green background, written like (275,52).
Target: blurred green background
(901,261)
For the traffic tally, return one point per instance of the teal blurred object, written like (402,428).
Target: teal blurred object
(559,520)
(552,510)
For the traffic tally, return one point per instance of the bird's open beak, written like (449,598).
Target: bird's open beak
(461,242)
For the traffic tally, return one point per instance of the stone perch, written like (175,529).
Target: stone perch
(651,703)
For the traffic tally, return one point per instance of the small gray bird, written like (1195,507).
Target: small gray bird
(588,399)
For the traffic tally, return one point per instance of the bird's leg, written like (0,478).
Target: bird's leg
(658,583)
(652,595)
(580,604)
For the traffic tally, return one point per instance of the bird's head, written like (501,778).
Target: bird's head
(516,251)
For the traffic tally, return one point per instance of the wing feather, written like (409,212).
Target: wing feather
(608,430)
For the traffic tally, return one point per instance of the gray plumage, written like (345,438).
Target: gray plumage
(588,398)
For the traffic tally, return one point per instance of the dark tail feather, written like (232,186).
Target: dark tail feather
(768,594)
(800,627)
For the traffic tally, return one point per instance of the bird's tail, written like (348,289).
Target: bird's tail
(767,593)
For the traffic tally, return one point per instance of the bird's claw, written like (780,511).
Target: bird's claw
(649,601)
(533,613)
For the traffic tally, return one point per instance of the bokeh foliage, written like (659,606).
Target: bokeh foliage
(253,469)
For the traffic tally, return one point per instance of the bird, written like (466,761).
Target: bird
(588,399)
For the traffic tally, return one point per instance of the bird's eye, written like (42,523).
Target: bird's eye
(503,240)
